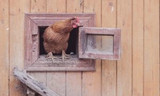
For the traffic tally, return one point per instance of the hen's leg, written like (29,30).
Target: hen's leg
(64,55)
(50,56)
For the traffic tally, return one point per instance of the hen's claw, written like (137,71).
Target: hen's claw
(65,56)
(50,56)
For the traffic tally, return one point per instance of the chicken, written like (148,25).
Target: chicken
(56,37)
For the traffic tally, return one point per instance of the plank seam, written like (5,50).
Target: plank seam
(9,48)
(132,49)
(121,49)
(101,60)
(120,45)
(143,42)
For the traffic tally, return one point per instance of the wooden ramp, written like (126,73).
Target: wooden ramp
(33,85)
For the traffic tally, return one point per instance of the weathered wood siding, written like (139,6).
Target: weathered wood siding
(136,74)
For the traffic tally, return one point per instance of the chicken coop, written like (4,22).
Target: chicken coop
(127,66)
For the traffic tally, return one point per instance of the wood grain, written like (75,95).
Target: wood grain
(57,80)
(73,80)
(151,48)
(38,6)
(109,68)
(56,6)
(73,84)
(124,66)
(74,6)
(138,37)
(17,10)
(91,81)
(4,47)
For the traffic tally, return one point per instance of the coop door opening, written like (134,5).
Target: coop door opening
(72,42)
(35,55)
(41,47)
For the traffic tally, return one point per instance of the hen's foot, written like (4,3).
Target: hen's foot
(65,56)
(50,56)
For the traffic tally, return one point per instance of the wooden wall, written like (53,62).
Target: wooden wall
(136,74)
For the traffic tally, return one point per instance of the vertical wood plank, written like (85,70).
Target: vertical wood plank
(91,81)
(74,6)
(57,80)
(17,10)
(56,6)
(4,48)
(93,6)
(73,79)
(39,6)
(109,68)
(151,48)
(138,43)
(124,66)
(73,84)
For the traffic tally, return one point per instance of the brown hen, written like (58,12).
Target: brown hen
(56,37)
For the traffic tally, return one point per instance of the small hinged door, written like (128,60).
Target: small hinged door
(99,43)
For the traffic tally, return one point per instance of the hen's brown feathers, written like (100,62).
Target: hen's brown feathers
(56,36)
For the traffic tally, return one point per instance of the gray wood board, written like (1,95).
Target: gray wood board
(33,84)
